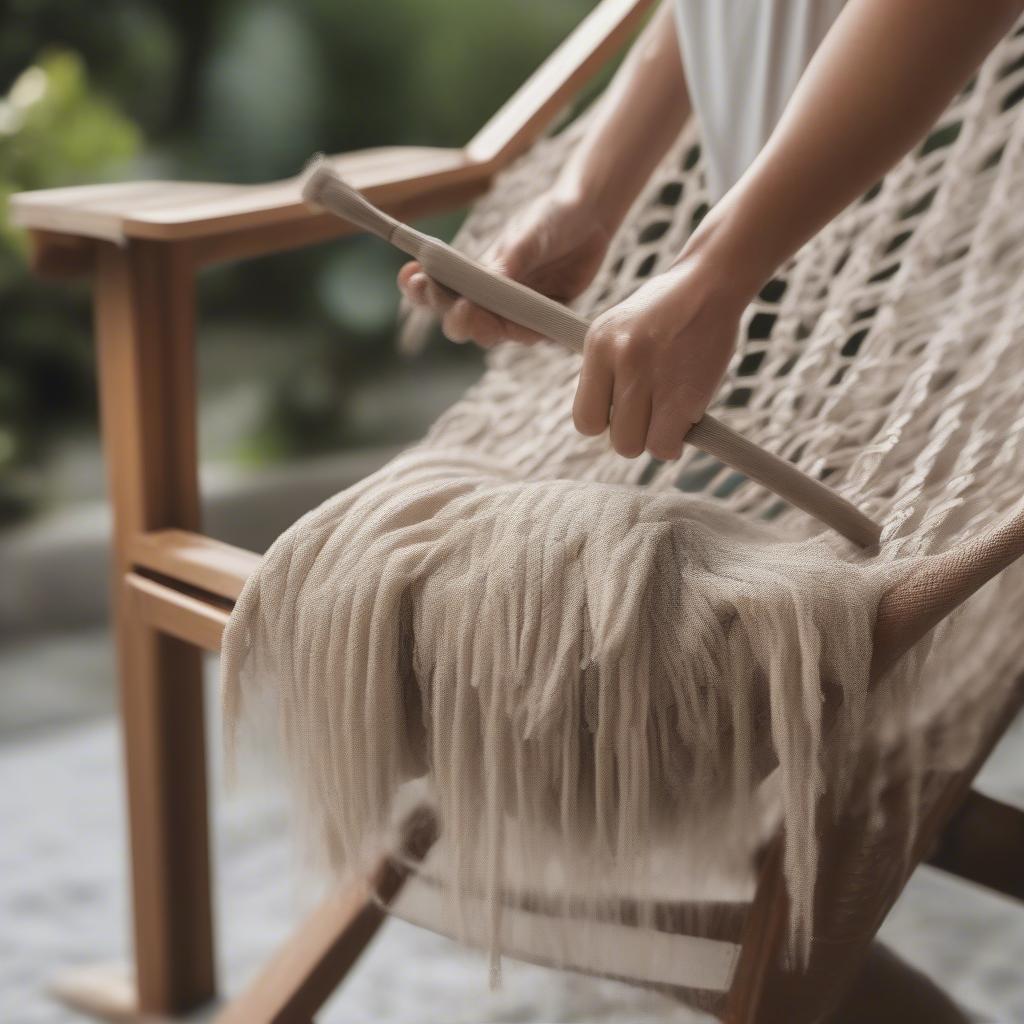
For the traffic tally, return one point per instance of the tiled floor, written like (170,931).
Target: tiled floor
(62,887)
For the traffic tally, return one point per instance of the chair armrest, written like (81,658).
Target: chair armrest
(221,222)
(225,221)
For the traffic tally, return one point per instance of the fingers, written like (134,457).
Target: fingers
(465,321)
(422,290)
(461,320)
(614,388)
(592,405)
(405,275)
(624,385)
(630,415)
(671,419)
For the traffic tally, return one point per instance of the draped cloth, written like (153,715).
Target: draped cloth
(600,670)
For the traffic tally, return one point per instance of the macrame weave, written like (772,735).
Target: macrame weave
(588,661)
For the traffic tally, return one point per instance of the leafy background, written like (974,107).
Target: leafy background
(244,91)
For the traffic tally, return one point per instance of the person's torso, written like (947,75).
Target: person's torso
(742,60)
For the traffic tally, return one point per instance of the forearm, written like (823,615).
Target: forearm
(638,118)
(883,74)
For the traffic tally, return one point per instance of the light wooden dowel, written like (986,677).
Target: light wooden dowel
(514,301)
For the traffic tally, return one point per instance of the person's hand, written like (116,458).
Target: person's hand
(652,363)
(555,247)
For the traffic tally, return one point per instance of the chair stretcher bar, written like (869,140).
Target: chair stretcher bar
(197,561)
(172,612)
(198,579)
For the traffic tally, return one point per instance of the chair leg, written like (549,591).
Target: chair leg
(144,302)
(307,969)
(984,843)
(304,972)
(162,717)
(761,941)
(862,871)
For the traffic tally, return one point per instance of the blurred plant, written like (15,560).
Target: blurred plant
(54,130)
(237,90)
(339,75)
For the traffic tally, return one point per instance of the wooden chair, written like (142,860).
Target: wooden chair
(143,245)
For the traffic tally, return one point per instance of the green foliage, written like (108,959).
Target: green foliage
(236,90)
(462,73)
(279,82)
(54,130)
(340,75)
(134,51)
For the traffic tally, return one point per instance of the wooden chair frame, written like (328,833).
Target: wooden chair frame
(143,245)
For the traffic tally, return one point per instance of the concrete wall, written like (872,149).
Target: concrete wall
(54,570)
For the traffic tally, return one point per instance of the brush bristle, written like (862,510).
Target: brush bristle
(318,175)
(325,188)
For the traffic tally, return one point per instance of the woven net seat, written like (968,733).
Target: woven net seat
(886,359)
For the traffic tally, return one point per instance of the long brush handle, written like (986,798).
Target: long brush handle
(522,305)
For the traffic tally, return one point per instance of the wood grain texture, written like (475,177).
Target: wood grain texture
(144,328)
(762,939)
(180,210)
(239,221)
(196,560)
(173,614)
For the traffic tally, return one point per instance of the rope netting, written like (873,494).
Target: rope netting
(559,654)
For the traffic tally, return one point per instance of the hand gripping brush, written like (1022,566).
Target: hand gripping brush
(325,188)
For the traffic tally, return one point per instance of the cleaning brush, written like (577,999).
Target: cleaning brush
(326,189)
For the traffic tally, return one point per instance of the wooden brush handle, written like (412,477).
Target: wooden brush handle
(524,306)
(551,319)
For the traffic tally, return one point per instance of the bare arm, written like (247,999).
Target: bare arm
(881,77)
(557,243)
(883,74)
(639,116)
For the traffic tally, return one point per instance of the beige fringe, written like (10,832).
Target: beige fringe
(605,666)
(588,672)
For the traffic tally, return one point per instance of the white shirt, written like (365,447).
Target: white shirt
(742,60)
